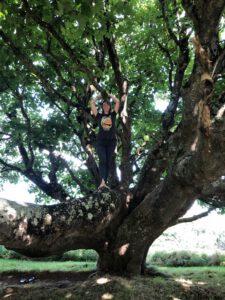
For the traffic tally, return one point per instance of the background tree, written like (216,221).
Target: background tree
(138,50)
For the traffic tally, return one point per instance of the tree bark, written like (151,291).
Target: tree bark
(36,230)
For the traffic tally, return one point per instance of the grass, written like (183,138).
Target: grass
(183,282)
(204,276)
(7,265)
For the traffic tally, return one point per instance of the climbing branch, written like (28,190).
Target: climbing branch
(195,217)
(166,21)
(83,188)
(166,51)
(125,120)
(20,99)
(181,42)
(10,167)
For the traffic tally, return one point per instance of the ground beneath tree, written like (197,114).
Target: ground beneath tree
(89,285)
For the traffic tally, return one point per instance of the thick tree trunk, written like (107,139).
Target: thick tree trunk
(121,261)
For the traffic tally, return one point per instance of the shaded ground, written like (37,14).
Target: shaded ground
(182,283)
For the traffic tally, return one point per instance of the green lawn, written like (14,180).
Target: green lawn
(182,283)
(27,265)
(210,276)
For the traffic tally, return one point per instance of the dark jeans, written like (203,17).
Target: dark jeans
(105,150)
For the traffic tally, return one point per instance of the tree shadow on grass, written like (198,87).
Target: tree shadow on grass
(90,285)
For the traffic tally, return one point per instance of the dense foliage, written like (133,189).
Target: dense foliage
(60,43)
(48,46)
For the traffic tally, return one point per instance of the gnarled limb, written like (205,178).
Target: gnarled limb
(36,230)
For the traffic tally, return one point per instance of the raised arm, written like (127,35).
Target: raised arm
(116,101)
(93,104)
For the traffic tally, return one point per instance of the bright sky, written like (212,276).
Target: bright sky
(17,192)
(161,101)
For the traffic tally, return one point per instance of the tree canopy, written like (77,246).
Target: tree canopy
(47,46)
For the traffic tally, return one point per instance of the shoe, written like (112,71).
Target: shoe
(23,280)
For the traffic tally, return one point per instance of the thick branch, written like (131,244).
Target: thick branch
(156,162)
(52,189)
(170,200)
(206,17)
(46,230)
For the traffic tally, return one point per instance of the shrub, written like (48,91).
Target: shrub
(80,255)
(4,253)
(185,259)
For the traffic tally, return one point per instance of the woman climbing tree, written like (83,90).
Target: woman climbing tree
(106,138)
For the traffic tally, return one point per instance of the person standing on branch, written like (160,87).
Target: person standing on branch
(106,138)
